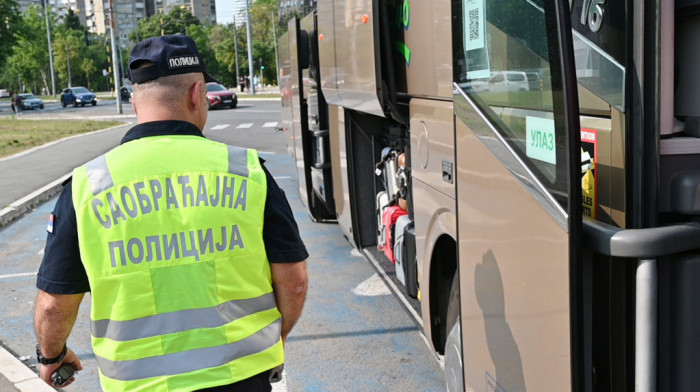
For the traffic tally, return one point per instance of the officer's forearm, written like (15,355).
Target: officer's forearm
(54,317)
(290,283)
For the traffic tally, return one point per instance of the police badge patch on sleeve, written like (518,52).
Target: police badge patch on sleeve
(49,228)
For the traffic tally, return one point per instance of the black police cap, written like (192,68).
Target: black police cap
(170,55)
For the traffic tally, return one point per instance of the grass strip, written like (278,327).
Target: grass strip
(17,135)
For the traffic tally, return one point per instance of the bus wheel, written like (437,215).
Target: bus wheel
(454,367)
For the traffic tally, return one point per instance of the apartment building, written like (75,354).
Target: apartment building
(94,14)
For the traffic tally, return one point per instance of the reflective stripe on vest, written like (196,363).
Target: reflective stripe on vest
(98,175)
(191,360)
(182,320)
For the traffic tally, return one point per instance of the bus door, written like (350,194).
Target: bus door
(517,148)
(310,128)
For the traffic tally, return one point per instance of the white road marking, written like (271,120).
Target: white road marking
(245,125)
(270,124)
(220,126)
(282,177)
(372,287)
(17,275)
(40,252)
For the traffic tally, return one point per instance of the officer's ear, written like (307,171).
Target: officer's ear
(133,104)
(197,95)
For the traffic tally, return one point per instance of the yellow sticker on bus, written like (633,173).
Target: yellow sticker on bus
(589,174)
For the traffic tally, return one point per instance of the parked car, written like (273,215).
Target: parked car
(506,81)
(77,96)
(4,93)
(219,96)
(535,80)
(125,93)
(470,85)
(31,101)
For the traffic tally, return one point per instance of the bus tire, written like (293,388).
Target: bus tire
(454,366)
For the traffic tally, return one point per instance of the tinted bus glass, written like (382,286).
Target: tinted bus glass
(502,64)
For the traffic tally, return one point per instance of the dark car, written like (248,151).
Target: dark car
(219,96)
(77,96)
(31,101)
(125,93)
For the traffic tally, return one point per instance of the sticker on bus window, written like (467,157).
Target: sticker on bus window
(476,53)
(540,140)
(589,174)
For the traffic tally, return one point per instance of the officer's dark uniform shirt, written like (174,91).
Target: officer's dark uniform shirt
(62,271)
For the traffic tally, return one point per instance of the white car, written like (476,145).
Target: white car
(4,93)
(506,81)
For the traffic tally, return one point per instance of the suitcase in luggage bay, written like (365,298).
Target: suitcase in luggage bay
(389,217)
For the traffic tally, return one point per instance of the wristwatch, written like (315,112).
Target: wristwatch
(50,361)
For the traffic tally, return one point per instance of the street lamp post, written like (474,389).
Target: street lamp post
(251,69)
(274,41)
(235,49)
(114,58)
(48,36)
(70,80)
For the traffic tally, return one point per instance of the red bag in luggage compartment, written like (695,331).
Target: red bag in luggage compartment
(389,217)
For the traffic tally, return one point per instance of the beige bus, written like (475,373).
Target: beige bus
(525,172)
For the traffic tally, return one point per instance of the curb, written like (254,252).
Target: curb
(25,204)
(19,207)
(20,375)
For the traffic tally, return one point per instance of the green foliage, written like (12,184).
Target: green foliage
(72,22)
(222,44)
(68,48)
(9,22)
(174,22)
(24,57)
(29,61)
(262,14)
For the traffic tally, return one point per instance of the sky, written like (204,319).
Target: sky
(225,10)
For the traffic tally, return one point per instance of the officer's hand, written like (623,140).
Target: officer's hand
(47,370)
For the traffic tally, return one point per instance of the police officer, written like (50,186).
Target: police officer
(189,248)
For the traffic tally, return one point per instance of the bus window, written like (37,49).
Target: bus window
(503,66)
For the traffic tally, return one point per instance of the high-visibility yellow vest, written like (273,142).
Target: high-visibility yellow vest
(170,232)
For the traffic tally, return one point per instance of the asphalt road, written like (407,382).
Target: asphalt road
(354,334)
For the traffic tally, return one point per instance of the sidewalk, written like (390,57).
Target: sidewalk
(34,176)
(16,376)
(28,179)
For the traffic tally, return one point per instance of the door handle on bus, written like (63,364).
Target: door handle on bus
(640,243)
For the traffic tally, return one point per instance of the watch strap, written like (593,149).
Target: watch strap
(50,361)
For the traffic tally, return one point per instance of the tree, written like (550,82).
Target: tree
(262,15)
(69,49)
(30,59)
(200,36)
(174,22)
(9,22)
(88,67)
(224,50)
(72,22)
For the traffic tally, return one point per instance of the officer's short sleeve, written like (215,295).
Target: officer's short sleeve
(280,231)
(61,270)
